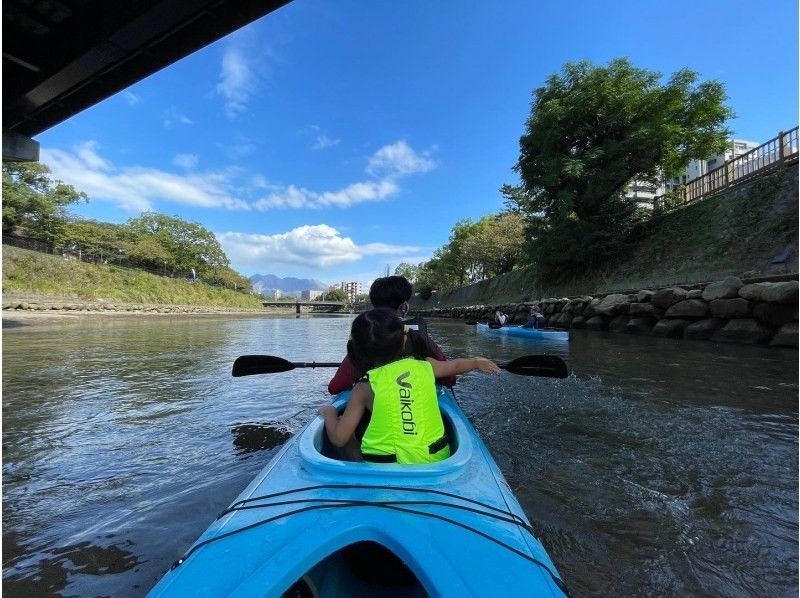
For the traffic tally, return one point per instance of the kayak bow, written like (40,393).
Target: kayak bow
(312,525)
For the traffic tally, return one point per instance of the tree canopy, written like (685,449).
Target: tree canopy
(35,205)
(491,246)
(594,129)
(33,202)
(333,295)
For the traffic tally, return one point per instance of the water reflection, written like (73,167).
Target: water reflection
(49,574)
(659,467)
(249,438)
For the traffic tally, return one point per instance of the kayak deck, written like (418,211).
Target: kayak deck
(534,333)
(324,527)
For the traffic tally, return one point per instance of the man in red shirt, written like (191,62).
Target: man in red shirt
(393,292)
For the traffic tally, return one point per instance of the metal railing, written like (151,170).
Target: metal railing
(767,157)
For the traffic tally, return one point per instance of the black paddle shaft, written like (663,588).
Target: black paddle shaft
(548,366)
(248,365)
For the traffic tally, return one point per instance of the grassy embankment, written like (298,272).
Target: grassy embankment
(734,233)
(33,273)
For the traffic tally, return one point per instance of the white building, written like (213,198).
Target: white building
(644,193)
(697,168)
(351,289)
(310,295)
(277,294)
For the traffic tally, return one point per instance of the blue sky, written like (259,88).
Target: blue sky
(330,139)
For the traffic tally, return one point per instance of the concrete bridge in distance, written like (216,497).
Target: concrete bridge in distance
(342,305)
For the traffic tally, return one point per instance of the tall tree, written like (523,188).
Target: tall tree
(103,239)
(188,244)
(33,202)
(408,271)
(593,129)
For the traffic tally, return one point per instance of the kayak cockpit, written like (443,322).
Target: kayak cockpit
(364,568)
(327,449)
(318,452)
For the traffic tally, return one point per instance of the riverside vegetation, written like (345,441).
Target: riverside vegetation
(733,238)
(30,278)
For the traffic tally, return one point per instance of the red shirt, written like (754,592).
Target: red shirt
(345,376)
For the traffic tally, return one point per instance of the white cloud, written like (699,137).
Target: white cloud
(321,138)
(135,188)
(398,159)
(323,141)
(313,246)
(237,81)
(174,116)
(131,98)
(298,197)
(187,161)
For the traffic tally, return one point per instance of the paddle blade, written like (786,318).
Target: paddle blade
(248,365)
(547,366)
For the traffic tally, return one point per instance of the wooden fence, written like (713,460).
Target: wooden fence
(767,157)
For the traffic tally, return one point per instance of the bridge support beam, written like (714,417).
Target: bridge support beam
(297,308)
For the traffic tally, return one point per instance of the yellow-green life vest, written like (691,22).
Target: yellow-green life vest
(406,424)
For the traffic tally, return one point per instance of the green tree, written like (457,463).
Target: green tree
(594,129)
(105,240)
(34,204)
(497,243)
(185,245)
(334,295)
(408,271)
(226,277)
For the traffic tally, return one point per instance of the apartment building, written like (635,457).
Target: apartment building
(644,193)
(697,168)
(351,289)
(310,295)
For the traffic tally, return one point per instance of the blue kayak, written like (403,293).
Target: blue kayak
(538,333)
(312,525)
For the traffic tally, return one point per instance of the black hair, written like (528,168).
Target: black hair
(376,338)
(390,292)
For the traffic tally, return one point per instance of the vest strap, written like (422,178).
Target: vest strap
(379,458)
(433,448)
(437,446)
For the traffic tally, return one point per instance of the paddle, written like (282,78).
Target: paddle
(546,366)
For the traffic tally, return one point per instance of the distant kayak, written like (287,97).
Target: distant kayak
(539,333)
(312,525)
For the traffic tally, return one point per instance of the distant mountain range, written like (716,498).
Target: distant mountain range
(267,283)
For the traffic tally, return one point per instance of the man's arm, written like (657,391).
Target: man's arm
(344,378)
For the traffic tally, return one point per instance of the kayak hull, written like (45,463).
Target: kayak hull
(451,528)
(532,333)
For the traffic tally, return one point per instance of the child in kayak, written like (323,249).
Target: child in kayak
(392,292)
(406,424)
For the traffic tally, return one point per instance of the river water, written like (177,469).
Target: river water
(660,467)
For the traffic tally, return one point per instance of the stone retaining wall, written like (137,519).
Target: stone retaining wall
(49,305)
(724,311)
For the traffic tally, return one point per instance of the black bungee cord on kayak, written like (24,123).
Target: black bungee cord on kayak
(391,505)
(236,506)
